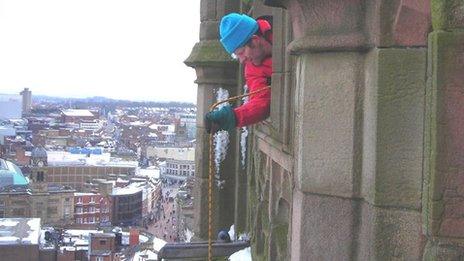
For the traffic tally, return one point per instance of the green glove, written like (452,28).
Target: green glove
(222,119)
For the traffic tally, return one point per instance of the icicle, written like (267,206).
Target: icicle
(232,233)
(221,144)
(221,140)
(188,235)
(244,133)
(243,145)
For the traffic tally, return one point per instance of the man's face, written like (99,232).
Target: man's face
(251,52)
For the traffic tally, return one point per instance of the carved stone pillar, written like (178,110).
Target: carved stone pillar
(215,69)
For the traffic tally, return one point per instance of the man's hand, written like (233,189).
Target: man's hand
(222,119)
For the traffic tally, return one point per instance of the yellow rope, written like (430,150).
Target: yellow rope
(211,171)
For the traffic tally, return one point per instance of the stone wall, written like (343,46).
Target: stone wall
(443,200)
(360,158)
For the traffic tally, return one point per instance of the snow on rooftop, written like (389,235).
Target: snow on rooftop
(19,231)
(127,190)
(145,255)
(55,158)
(60,157)
(242,255)
(143,239)
(8,222)
(80,232)
(148,172)
(158,243)
(139,123)
(161,127)
(77,113)
(7,240)
(120,180)
(84,194)
(81,242)
(34,232)
(174,153)
(67,248)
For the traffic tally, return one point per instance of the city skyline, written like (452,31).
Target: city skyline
(114,49)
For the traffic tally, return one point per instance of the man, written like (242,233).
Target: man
(250,41)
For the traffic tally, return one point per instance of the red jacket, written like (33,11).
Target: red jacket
(256,77)
(258,106)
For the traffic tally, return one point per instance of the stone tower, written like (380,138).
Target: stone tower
(27,101)
(360,158)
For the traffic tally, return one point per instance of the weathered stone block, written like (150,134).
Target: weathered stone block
(208,10)
(444,126)
(442,251)
(202,154)
(328,122)
(205,96)
(357,24)
(277,92)
(393,126)
(447,14)
(200,208)
(398,22)
(322,227)
(209,30)
(412,23)
(282,37)
(222,207)
(278,249)
(390,234)
(209,53)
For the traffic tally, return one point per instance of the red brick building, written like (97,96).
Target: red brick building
(103,247)
(91,210)
(77,116)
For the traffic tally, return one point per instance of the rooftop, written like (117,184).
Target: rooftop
(77,113)
(65,158)
(149,172)
(103,234)
(127,190)
(11,175)
(19,231)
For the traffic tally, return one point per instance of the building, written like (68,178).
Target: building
(92,210)
(19,239)
(90,125)
(171,153)
(27,101)
(177,169)
(190,122)
(21,198)
(11,175)
(76,116)
(86,244)
(361,157)
(179,162)
(78,176)
(102,247)
(10,106)
(54,205)
(166,132)
(127,205)
(6,131)
(78,169)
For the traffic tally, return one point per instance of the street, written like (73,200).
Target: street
(165,222)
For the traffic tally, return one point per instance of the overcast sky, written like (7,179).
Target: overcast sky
(125,49)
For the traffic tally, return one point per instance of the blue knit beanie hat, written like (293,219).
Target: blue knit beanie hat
(235,30)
